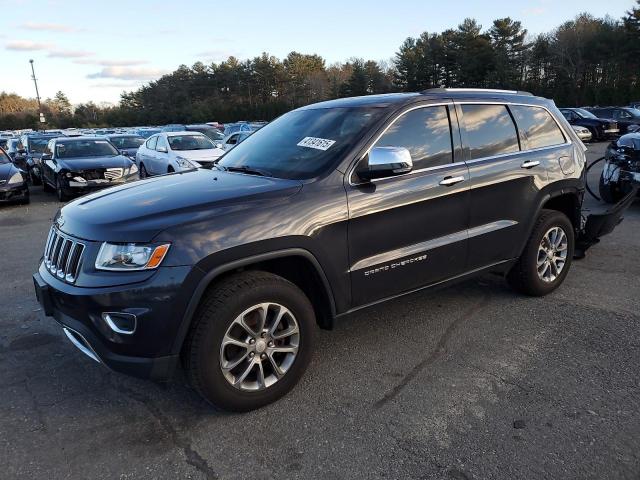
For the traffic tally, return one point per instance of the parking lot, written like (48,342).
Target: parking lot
(473,381)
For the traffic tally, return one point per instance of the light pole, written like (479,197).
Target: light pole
(35,82)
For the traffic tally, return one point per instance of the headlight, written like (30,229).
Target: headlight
(130,256)
(184,163)
(15,178)
(133,169)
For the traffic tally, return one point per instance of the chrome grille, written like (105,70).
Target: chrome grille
(63,255)
(113,173)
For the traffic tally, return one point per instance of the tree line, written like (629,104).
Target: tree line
(585,61)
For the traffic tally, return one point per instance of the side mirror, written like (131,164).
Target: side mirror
(162,149)
(46,156)
(386,162)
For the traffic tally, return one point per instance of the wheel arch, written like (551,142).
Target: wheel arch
(294,264)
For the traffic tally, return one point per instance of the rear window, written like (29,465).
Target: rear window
(190,142)
(490,130)
(538,126)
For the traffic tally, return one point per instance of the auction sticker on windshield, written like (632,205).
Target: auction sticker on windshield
(317,143)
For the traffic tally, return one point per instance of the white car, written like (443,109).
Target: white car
(234,139)
(583,133)
(168,152)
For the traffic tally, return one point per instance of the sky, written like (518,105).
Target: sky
(93,50)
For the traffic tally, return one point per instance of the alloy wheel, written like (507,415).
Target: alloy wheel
(259,347)
(552,254)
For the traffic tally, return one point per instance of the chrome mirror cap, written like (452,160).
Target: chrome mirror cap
(387,162)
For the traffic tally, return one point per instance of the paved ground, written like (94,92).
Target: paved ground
(470,382)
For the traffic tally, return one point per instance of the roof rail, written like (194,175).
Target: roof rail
(476,90)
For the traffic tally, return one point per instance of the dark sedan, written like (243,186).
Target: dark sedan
(13,184)
(127,143)
(628,118)
(600,128)
(34,144)
(78,165)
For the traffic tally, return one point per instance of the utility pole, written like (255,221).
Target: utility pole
(35,82)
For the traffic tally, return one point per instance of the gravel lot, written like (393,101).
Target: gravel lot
(470,382)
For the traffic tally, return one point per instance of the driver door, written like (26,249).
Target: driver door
(409,231)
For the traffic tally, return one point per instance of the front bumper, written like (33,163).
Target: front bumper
(79,188)
(158,304)
(14,193)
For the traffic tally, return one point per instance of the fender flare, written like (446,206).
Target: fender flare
(211,275)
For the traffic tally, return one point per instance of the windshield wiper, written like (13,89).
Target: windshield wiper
(245,169)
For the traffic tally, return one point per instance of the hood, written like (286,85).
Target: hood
(200,155)
(6,170)
(89,163)
(138,211)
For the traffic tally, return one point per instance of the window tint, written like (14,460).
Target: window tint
(539,127)
(151,143)
(490,130)
(426,133)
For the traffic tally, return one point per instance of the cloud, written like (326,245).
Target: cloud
(534,11)
(111,63)
(129,73)
(49,27)
(120,85)
(27,45)
(218,55)
(69,54)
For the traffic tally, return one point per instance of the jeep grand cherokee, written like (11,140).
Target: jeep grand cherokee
(331,208)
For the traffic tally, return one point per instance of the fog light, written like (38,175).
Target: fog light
(122,323)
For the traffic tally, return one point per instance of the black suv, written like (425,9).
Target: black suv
(600,128)
(628,118)
(331,208)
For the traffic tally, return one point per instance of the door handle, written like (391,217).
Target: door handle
(530,164)
(448,181)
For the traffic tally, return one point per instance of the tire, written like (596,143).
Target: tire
(143,171)
(46,187)
(594,134)
(216,317)
(62,197)
(170,169)
(524,276)
(35,180)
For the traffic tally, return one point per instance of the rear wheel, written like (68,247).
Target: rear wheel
(546,259)
(35,179)
(250,342)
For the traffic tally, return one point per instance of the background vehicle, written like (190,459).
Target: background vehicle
(169,152)
(628,118)
(306,221)
(77,165)
(35,143)
(600,128)
(13,182)
(621,169)
(147,132)
(583,133)
(230,128)
(234,139)
(127,144)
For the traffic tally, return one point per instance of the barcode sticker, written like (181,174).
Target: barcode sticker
(317,143)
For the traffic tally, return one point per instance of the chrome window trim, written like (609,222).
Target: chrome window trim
(422,247)
(569,142)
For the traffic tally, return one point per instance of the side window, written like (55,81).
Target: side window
(622,114)
(490,130)
(162,143)
(426,133)
(151,143)
(233,140)
(539,127)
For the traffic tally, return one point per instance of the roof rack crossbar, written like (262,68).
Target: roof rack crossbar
(477,90)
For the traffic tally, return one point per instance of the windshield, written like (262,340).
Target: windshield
(303,143)
(212,133)
(3,142)
(190,142)
(127,142)
(85,148)
(584,113)
(37,145)
(4,158)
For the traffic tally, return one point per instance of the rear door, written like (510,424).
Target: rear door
(161,159)
(409,231)
(145,153)
(508,169)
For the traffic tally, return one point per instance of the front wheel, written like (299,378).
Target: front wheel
(143,171)
(251,341)
(62,197)
(546,258)
(35,179)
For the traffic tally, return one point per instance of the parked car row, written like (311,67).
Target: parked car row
(603,123)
